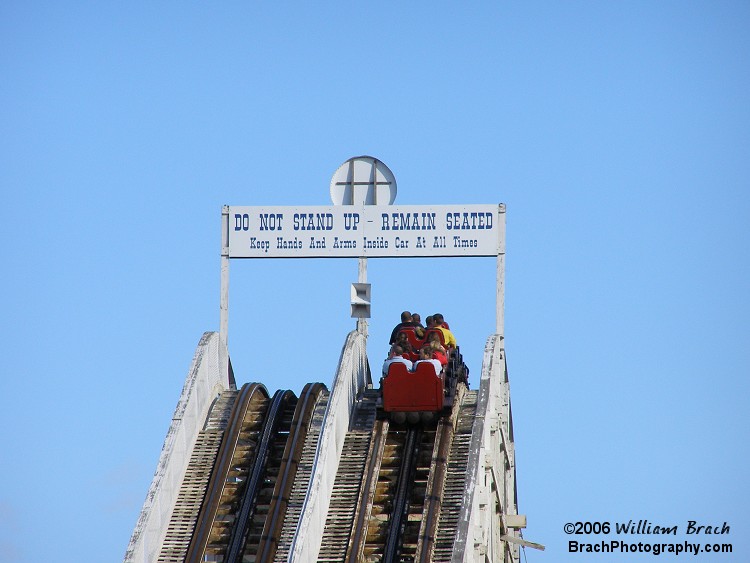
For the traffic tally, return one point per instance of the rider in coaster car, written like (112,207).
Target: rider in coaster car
(395,356)
(440,324)
(425,357)
(418,327)
(406,321)
(402,341)
(438,352)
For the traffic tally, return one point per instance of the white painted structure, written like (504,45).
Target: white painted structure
(489,523)
(486,531)
(206,379)
(351,379)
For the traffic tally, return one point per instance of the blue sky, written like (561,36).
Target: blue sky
(617,134)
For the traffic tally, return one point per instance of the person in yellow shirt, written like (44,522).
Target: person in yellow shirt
(448,338)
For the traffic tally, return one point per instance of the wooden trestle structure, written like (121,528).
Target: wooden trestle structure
(249,477)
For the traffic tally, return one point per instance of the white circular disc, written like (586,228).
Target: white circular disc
(363,180)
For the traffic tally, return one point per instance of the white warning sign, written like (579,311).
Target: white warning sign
(344,231)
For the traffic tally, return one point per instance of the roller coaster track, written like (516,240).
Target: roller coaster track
(196,481)
(298,492)
(347,484)
(257,494)
(395,492)
(244,509)
(407,485)
(230,474)
(287,473)
(454,486)
(399,489)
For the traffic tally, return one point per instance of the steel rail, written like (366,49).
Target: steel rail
(400,500)
(288,471)
(246,399)
(436,483)
(247,504)
(301,487)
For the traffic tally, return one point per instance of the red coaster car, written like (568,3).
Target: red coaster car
(413,395)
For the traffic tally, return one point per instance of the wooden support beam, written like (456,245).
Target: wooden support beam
(519,541)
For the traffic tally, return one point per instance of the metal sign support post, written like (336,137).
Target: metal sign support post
(362,278)
(224,314)
(500,298)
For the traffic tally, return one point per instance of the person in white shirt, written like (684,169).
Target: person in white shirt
(425,356)
(395,356)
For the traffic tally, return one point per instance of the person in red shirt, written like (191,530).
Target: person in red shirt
(438,352)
